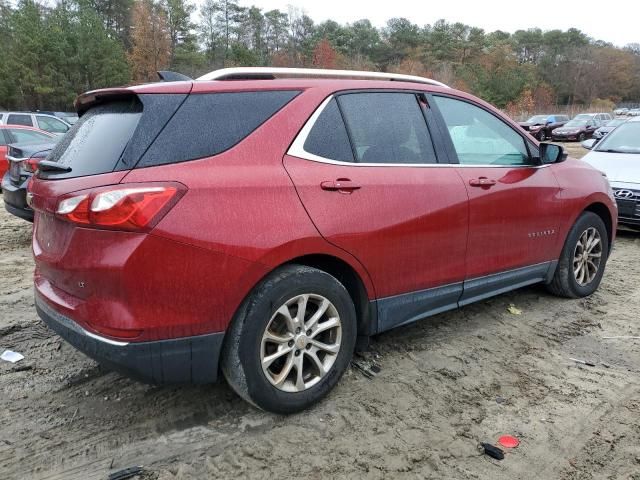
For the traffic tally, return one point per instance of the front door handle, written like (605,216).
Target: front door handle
(343,185)
(483,182)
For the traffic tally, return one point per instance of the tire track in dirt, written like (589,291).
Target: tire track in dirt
(446,383)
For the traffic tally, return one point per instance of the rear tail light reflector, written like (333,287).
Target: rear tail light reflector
(127,207)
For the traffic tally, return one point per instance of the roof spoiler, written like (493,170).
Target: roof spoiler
(168,76)
(95,97)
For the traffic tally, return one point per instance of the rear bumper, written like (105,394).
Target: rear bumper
(180,360)
(15,199)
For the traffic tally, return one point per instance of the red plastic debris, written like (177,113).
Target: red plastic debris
(508,441)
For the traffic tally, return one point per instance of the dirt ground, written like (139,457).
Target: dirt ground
(446,384)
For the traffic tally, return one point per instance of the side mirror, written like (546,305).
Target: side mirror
(589,144)
(552,153)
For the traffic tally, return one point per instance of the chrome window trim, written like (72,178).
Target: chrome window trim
(297,150)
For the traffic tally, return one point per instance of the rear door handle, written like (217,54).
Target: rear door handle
(343,185)
(482,182)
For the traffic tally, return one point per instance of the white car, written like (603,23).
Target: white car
(618,156)
(48,123)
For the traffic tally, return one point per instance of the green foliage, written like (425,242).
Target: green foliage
(57,49)
(54,54)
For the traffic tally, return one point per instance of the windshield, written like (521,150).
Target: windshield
(537,119)
(576,122)
(624,139)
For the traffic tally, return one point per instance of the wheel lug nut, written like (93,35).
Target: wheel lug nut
(308,347)
(309,333)
(291,343)
(297,353)
(298,330)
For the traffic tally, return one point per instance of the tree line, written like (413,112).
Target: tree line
(53,51)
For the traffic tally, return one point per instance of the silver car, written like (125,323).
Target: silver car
(48,123)
(618,156)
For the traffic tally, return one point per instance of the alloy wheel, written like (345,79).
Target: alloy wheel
(587,256)
(301,342)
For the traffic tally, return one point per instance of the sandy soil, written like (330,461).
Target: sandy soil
(446,384)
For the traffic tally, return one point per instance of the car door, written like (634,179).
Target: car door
(514,205)
(366,170)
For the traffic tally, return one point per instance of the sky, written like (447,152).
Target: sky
(614,21)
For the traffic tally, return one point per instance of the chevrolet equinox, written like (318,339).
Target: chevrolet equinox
(262,222)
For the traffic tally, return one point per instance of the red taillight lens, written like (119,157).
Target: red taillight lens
(30,165)
(125,207)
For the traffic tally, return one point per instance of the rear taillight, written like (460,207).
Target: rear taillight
(30,165)
(123,207)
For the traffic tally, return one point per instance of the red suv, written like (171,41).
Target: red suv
(262,226)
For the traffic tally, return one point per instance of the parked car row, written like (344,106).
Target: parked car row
(57,123)
(630,112)
(10,134)
(560,128)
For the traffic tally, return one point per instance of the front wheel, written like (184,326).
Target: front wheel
(543,136)
(583,258)
(291,340)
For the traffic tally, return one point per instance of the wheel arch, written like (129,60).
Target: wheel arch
(366,310)
(603,212)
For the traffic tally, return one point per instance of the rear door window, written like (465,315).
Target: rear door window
(387,128)
(18,119)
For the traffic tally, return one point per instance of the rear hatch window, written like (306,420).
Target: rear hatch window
(96,142)
(157,129)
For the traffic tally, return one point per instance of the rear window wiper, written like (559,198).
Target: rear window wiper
(49,166)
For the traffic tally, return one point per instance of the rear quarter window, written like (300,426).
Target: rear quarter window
(211,123)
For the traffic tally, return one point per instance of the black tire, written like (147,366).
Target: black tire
(564,282)
(241,354)
(543,136)
(582,137)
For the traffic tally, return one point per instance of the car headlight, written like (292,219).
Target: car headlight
(610,191)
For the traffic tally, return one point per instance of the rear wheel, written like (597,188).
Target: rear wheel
(543,136)
(582,137)
(291,340)
(583,258)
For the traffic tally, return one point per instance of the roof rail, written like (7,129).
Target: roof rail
(271,73)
